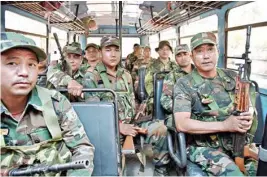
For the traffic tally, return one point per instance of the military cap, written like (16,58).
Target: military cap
(203,38)
(109,40)
(74,47)
(92,45)
(10,40)
(181,48)
(147,47)
(162,44)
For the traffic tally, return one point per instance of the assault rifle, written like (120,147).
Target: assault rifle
(65,66)
(128,145)
(41,169)
(241,104)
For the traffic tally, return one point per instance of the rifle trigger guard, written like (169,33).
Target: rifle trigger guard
(262,154)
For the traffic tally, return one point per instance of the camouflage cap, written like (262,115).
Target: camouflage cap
(110,40)
(203,38)
(162,44)
(74,47)
(92,45)
(10,40)
(181,48)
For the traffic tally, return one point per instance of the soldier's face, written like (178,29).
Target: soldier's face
(91,54)
(74,60)
(164,52)
(140,53)
(147,52)
(205,57)
(19,72)
(183,59)
(111,56)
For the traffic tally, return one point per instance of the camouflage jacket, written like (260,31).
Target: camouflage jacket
(168,84)
(39,142)
(136,65)
(130,59)
(156,66)
(207,99)
(57,78)
(121,84)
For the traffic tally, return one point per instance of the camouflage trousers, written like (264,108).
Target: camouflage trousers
(217,163)
(158,142)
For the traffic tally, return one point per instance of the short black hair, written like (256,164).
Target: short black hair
(136,45)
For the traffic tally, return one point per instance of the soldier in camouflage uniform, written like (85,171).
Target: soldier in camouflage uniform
(183,59)
(38,126)
(92,56)
(131,58)
(57,78)
(203,106)
(163,63)
(108,74)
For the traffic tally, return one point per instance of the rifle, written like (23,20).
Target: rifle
(65,66)
(39,169)
(128,145)
(241,104)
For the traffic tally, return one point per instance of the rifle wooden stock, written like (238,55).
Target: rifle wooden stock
(128,145)
(251,152)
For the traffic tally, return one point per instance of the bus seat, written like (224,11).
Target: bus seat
(158,111)
(101,130)
(141,90)
(259,133)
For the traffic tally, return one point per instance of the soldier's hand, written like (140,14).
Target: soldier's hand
(128,129)
(241,123)
(75,88)
(160,130)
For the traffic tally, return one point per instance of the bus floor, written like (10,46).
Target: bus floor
(133,166)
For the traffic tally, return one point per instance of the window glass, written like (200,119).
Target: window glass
(203,25)
(258,55)
(95,40)
(153,43)
(18,22)
(39,41)
(253,12)
(169,33)
(127,45)
(62,38)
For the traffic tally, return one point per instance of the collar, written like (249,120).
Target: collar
(34,101)
(102,68)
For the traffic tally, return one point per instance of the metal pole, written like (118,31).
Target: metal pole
(116,27)
(120,27)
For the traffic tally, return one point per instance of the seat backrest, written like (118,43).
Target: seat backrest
(158,111)
(98,120)
(260,129)
(141,90)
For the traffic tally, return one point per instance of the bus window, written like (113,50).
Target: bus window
(127,45)
(249,13)
(203,25)
(171,36)
(34,29)
(208,24)
(95,40)
(153,43)
(62,37)
(253,12)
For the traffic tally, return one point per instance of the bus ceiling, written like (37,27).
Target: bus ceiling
(146,17)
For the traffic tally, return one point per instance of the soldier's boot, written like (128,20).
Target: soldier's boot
(161,171)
